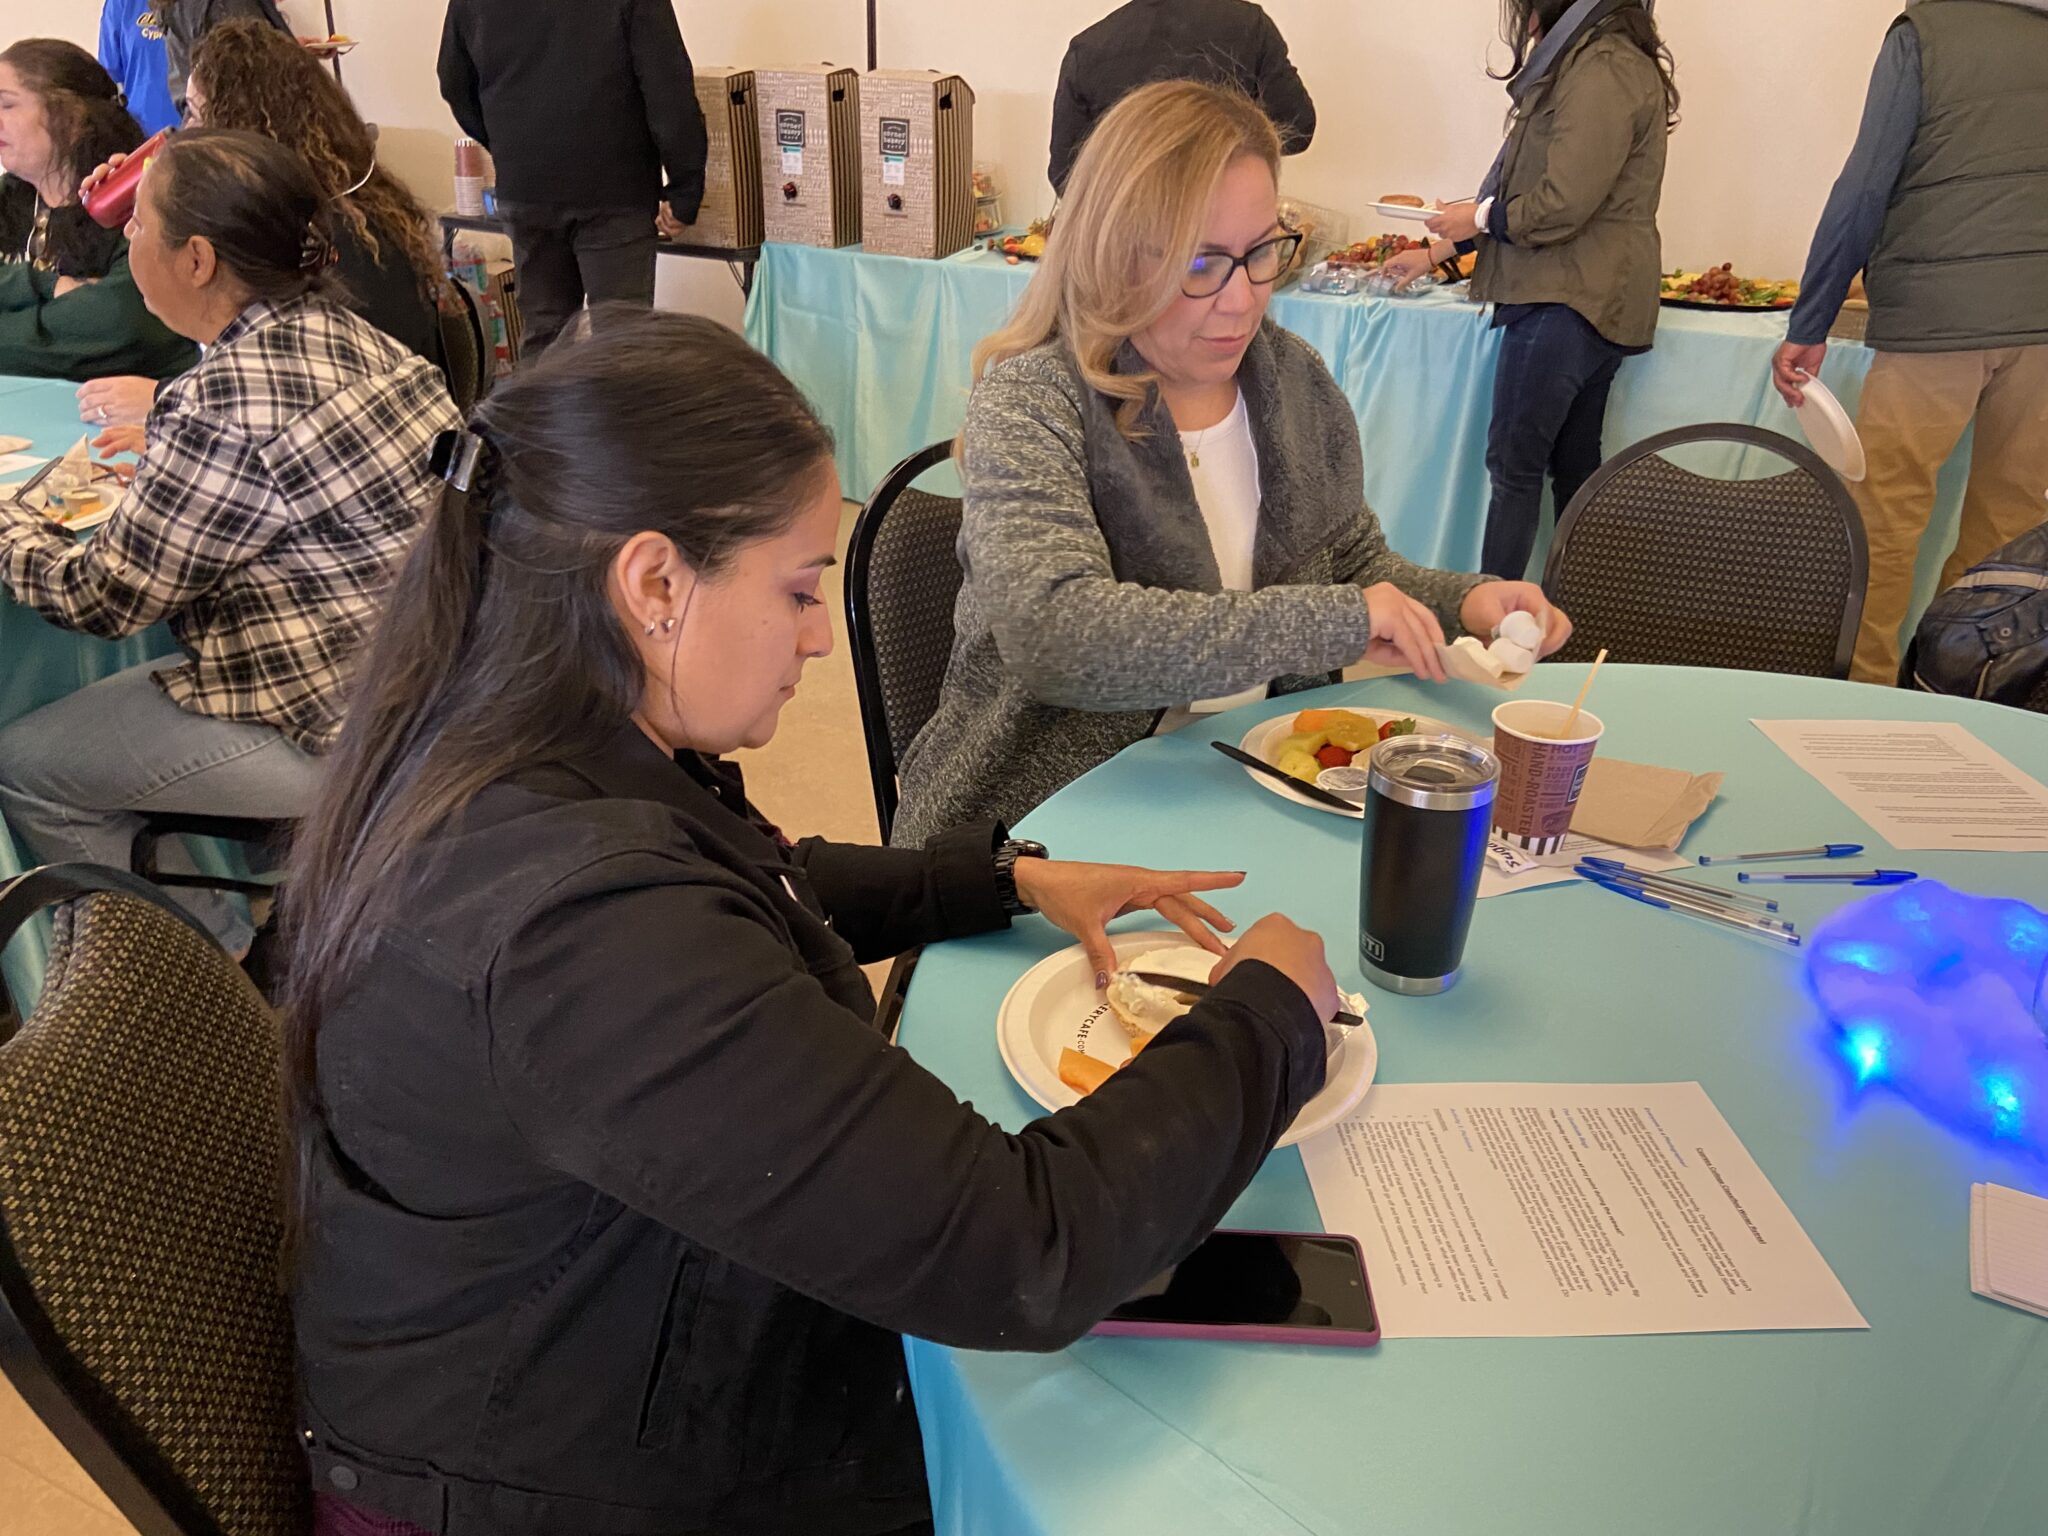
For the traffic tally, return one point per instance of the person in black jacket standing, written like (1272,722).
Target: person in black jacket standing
(1222,42)
(582,107)
(614,1201)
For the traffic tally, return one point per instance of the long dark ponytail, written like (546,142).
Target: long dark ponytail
(499,646)
(1520,21)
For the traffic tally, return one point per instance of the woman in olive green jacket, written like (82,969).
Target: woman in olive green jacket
(1569,255)
(68,307)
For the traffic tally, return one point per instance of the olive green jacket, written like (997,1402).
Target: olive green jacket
(1581,179)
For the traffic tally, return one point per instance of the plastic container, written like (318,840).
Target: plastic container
(470,175)
(112,202)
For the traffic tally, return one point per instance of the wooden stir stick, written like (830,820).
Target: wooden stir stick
(1571,720)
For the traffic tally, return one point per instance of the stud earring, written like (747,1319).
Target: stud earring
(650,629)
(668,626)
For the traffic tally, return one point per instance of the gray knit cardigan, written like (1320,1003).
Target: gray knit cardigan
(1091,600)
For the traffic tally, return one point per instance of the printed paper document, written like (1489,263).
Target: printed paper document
(1920,784)
(1493,1210)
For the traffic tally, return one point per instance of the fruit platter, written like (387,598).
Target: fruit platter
(1720,288)
(1028,246)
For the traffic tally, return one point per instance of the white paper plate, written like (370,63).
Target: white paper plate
(1403,211)
(1054,1006)
(1260,740)
(1828,427)
(113,494)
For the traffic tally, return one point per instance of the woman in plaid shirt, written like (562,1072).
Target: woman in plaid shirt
(282,481)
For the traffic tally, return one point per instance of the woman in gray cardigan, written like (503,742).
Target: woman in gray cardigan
(1164,509)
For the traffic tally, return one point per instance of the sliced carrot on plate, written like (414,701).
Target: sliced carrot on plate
(1082,1073)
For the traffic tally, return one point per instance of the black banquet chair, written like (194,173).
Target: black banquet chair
(142,1160)
(1667,567)
(902,579)
(466,356)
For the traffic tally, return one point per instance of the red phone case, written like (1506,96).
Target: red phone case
(1255,1333)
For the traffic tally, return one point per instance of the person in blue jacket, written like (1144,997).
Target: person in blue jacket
(132,51)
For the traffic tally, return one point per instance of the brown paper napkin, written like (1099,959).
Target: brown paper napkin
(1638,806)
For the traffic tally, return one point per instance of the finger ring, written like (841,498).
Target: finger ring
(103,415)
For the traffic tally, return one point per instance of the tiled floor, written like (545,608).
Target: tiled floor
(812,779)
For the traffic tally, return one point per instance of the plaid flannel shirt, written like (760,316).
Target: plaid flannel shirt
(284,480)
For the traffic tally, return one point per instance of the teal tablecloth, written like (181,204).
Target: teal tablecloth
(40,663)
(881,345)
(1935,1420)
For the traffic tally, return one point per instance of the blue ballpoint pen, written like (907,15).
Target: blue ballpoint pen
(1763,928)
(1615,869)
(1846,877)
(1687,900)
(1786,855)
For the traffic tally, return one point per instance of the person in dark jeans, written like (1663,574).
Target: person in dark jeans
(1549,403)
(1569,254)
(583,108)
(1220,42)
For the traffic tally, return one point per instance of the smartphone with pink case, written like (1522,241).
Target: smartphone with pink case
(1257,1288)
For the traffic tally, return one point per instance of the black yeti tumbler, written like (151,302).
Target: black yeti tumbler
(1428,813)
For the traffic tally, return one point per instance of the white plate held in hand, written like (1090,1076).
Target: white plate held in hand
(1054,1006)
(1828,427)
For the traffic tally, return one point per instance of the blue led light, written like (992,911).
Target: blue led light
(2007,1116)
(1875,958)
(1866,1047)
(1931,994)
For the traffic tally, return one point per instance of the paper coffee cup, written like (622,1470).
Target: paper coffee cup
(1540,775)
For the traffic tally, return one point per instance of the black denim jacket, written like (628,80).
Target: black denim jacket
(622,1202)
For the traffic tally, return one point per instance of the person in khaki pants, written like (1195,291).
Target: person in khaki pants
(1944,204)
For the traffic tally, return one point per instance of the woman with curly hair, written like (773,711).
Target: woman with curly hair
(251,76)
(68,307)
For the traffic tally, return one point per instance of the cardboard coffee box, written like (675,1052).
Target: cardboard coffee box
(810,154)
(731,212)
(916,162)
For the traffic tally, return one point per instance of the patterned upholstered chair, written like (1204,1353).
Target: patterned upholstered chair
(1667,567)
(141,1202)
(902,578)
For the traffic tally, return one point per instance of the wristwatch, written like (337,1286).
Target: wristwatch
(1007,855)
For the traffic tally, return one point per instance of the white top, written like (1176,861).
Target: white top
(1227,490)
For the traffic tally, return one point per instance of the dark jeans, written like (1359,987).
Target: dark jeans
(1549,401)
(565,255)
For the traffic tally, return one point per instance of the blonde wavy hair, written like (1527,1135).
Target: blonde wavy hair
(1128,227)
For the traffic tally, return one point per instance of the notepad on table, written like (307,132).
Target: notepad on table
(2009,1247)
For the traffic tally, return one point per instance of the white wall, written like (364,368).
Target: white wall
(1773,91)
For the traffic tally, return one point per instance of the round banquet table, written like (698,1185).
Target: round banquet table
(1935,1419)
(41,663)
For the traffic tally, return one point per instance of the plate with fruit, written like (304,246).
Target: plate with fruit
(1328,748)
(1062,1039)
(1029,246)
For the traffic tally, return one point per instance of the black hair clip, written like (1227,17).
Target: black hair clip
(316,251)
(465,460)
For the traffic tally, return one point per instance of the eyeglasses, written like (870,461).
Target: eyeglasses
(1211,271)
